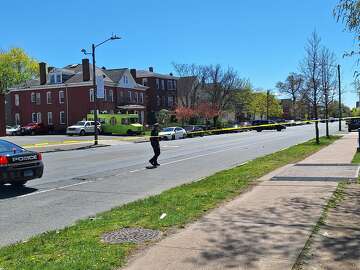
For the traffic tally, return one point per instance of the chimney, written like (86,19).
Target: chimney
(151,69)
(86,69)
(133,73)
(43,73)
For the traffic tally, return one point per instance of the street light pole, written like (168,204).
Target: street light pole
(95,96)
(340,109)
(267,104)
(93,47)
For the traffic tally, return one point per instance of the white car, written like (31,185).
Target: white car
(82,128)
(172,133)
(13,130)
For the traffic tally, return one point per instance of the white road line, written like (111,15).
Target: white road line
(52,189)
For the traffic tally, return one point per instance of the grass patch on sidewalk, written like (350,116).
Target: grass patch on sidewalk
(356,158)
(79,247)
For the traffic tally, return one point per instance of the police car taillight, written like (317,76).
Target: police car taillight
(39,156)
(4,160)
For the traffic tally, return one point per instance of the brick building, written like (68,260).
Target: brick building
(161,92)
(64,96)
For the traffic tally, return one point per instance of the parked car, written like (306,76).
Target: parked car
(194,130)
(172,133)
(13,130)
(353,124)
(269,125)
(82,128)
(18,165)
(34,129)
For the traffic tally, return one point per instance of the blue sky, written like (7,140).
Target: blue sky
(263,40)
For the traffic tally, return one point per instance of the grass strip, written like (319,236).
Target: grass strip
(79,247)
(336,198)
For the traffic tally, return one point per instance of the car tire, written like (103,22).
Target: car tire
(259,130)
(18,184)
(82,133)
(278,129)
(130,132)
(173,137)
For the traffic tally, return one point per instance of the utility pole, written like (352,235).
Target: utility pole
(267,104)
(95,95)
(340,109)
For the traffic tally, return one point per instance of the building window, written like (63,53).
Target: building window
(34,117)
(48,98)
(126,79)
(158,101)
(58,78)
(62,117)
(164,103)
(33,97)
(52,78)
(55,78)
(157,84)
(171,101)
(17,100)
(129,96)
(105,95)
(17,119)
(38,98)
(61,97)
(174,84)
(136,97)
(141,98)
(162,84)
(50,118)
(144,81)
(111,95)
(169,84)
(38,117)
(91,95)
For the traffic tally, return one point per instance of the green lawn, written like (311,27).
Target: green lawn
(356,158)
(79,246)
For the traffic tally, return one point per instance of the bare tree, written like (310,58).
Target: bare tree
(312,74)
(293,87)
(328,81)
(189,85)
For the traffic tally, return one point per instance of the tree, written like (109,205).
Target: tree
(311,73)
(16,67)
(348,12)
(260,102)
(293,87)
(241,102)
(328,81)
(192,78)
(184,113)
(163,117)
(207,111)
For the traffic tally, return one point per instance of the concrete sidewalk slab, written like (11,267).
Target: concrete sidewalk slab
(319,172)
(265,228)
(337,246)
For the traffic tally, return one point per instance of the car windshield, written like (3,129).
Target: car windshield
(168,129)
(80,123)
(189,128)
(6,146)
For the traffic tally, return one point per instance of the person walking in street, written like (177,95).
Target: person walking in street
(155,144)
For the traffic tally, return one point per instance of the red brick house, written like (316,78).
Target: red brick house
(161,92)
(64,96)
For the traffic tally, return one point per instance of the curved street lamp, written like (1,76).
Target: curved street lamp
(93,47)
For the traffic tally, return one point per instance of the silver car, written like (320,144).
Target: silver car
(172,133)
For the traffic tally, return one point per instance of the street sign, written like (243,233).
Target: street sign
(100,91)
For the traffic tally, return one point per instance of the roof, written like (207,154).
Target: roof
(115,74)
(148,74)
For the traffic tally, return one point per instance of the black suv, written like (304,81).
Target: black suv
(353,124)
(271,125)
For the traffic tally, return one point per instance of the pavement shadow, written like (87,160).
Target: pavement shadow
(8,191)
(250,236)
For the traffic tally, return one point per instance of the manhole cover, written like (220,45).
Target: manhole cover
(131,235)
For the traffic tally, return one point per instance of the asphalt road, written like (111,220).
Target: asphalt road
(79,184)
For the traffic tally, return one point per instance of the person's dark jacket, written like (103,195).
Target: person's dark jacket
(154,138)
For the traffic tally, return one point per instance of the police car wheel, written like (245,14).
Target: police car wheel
(82,133)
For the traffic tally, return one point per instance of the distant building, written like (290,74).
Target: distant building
(286,105)
(161,92)
(2,115)
(64,96)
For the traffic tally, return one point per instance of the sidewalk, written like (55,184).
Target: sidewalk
(265,228)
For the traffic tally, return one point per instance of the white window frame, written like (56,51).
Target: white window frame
(141,98)
(38,117)
(61,97)
(17,100)
(62,113)
(17,118)
(58,77)
(33,97)
(34,117)
(48,97)
(91,95)
(38,98)
(52,78)
(50,117)
(111,95)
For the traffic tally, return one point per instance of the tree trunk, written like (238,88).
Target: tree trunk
(316,120)
(327,116)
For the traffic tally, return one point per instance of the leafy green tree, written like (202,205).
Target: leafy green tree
(259,103)
(16,67)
